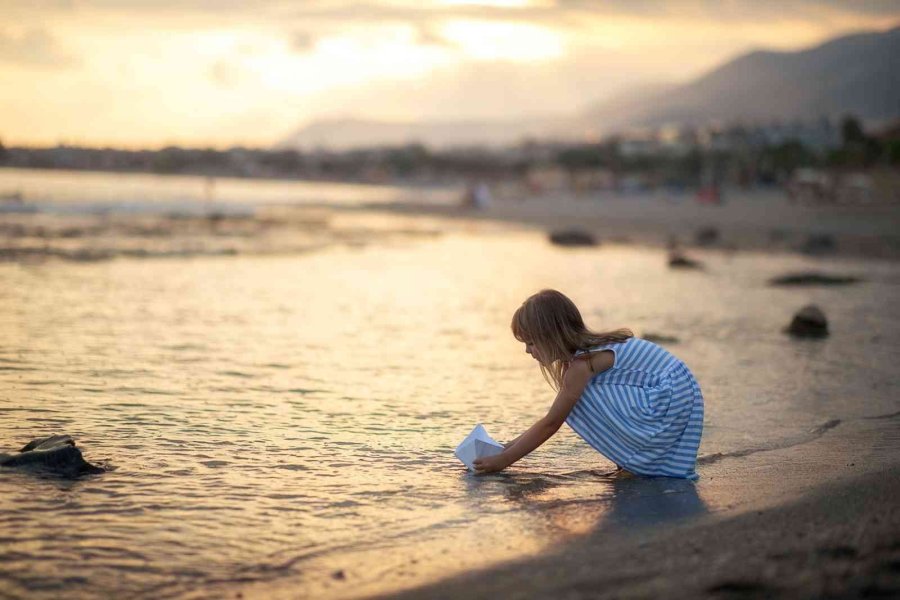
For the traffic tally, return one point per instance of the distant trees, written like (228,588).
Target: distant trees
(857,149)
(689,157)
(174,159)
(777,163)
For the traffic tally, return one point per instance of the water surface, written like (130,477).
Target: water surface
(292,418)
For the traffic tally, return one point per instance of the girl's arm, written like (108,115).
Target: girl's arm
(508,444)
(574,381)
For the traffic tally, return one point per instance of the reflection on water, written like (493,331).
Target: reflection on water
(292,417)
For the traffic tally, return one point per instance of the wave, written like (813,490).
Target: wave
(812,434)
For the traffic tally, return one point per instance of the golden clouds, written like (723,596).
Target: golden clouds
(151,72)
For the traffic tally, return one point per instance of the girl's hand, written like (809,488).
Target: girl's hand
(490,464)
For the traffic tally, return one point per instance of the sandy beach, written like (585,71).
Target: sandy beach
(747,220)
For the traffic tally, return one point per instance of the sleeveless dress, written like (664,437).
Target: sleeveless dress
(645,413)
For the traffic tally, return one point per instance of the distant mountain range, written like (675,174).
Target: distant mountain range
(361,133)
(856,74)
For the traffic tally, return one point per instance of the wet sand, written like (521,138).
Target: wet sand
(843,541)
(817,520)
(747,220)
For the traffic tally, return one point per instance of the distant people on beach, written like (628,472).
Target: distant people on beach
(629,398)
(477,196)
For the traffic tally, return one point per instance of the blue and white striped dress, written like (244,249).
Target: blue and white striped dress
(645,413)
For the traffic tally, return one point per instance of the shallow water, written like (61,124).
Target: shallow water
(285,417)
(87,191)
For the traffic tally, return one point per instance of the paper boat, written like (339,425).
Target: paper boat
(477,444)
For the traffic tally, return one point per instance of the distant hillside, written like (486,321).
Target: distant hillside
(855,74)
(359,133)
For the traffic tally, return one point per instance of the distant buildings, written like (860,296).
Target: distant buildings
(673,157)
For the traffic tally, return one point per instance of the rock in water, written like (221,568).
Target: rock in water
(812,278)
(819,243)
(707,236)
(809,321)
(573,237)
(55,454)
(677,260)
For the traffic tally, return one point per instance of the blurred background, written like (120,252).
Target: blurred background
(568,95)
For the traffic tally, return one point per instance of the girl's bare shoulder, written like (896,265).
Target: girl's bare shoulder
(595,362)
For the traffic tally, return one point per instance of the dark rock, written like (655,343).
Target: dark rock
(339,575)
(677,260)
(809,321)
(573,237)
(56,454)
(819,243)
(813,278)
(706,236)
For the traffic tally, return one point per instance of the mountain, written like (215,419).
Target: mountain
(339,134)
(855,74)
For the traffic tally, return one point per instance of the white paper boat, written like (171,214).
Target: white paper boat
(477,444)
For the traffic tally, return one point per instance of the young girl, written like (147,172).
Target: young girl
(628,398)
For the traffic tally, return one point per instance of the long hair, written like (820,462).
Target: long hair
(551,322)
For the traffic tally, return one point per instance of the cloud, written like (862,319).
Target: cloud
(34,47)
(571,13)
(539,12)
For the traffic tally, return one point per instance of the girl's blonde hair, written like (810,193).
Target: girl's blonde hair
(551,322)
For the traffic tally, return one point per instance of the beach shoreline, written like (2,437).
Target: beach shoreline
(816,519)
(808,521)
(840,541)
(748,220)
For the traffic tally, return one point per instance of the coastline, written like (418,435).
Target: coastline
(811,521)
(747,220)
(183,218)
(816,519)
(843,541)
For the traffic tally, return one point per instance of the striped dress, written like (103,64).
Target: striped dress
(645,413)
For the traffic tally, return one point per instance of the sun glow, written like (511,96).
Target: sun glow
(519,42)
(498,3)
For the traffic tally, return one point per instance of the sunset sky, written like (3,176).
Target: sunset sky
(215,72)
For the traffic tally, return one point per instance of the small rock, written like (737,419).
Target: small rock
(706,236)
(573,237)
(809,321)
(677,260)
(55,454)
(339,575)
(813,278)
(819,243)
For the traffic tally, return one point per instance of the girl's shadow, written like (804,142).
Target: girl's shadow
(622,499)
